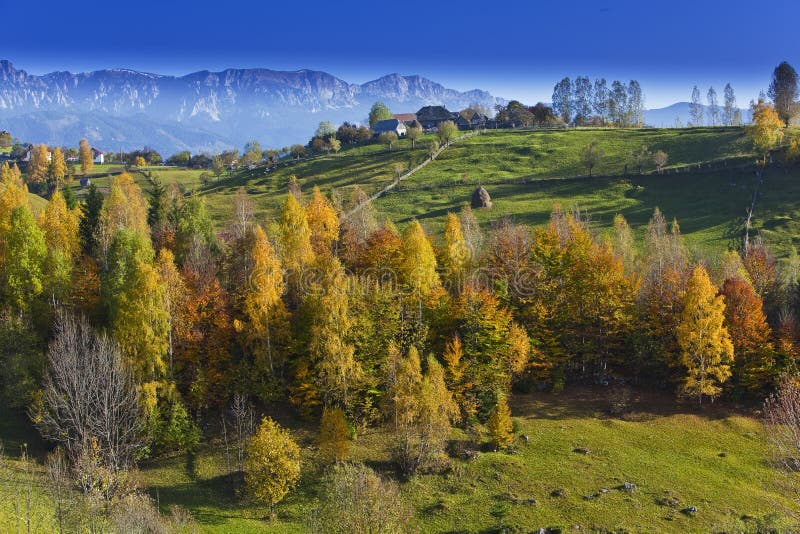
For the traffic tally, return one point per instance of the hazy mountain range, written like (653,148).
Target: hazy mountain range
(678,114)
(121,109)
(203,111)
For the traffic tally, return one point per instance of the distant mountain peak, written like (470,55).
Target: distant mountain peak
(228,107)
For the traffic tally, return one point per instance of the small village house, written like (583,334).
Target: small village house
(98,156)
(390,125)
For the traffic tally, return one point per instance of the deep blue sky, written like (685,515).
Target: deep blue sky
(515,49)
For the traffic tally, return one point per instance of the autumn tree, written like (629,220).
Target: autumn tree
(265,317)
(89,397)
(38,164)
(750,335)
(334,435)
(664,273)
(135,298)
(499,426)
(706,347)
(124,208)
(766,130)
(420,409)
(60,227)
(58,166)
(356,499)
(454,254)
(418,263)
(24,251)
(272,468)
(294,244)
(323,223)
(336,368)
(85,156)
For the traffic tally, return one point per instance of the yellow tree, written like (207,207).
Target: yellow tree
(335,366)
(457,378)
(139,162)
(405,377)
(436,411)
(38,164)
(25,251)
(85,156)
(499,426)
(766,130)
(135,296)
(58,165)
(418,263)
(334,435)
(454,254)
(174,294)
(294,243)
(265,314)
(272,467)
(706,347)
(60,227)
(124,208)
(323,222)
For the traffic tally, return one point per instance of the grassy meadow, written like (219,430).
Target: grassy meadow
(570,473)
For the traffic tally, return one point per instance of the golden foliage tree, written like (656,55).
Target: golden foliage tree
(766,130)
(418,263)
(294,245)
(266,318)
(22,267)
(124,208)
(38,164)
(706,348)
(336,368)
(334,435)
(499,426)
(272,468)
(85,156)
(58,165)
(745,320)
(323,223)
(60,227)
(455,255)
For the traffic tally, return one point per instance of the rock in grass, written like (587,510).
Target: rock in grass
(581,450)
(691,510)
(628,486)
(560,492)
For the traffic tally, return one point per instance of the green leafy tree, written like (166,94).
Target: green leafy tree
(379,112)
(446,132)
(388,139)
(25,252)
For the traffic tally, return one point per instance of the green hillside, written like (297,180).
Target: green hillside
(706,184)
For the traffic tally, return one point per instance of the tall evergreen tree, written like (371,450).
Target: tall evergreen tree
(600,99)
(562,100)
(696,108)
(783,91)
(91,209)
(729,108)
(713,107)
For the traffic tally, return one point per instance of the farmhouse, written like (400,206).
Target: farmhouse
(28,156)
(98,156)
(390,125)
(432,116)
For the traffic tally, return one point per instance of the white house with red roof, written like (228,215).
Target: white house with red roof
(98,155)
